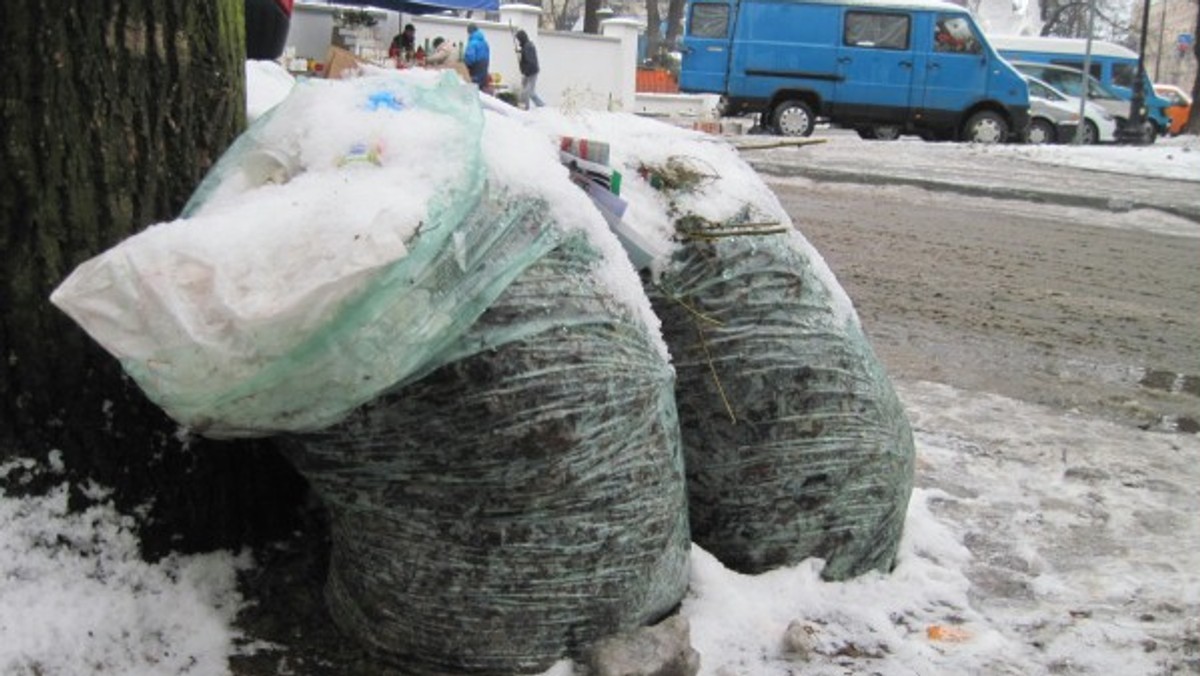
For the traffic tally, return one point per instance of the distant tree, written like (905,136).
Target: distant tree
(654,35)
(1069,19)
(562,14)
(659,45)
(591,16)
(112,113)
(674,22)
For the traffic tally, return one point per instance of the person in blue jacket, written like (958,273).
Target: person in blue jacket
(476,57)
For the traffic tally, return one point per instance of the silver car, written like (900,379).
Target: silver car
(1070,82)
(1054,117)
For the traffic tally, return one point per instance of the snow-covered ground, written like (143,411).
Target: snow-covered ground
(1037,542)
(1090,566)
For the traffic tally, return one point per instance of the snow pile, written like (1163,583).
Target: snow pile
(76,597)
(1082,558)
(267,83)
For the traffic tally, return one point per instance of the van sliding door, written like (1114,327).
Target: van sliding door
(875,66)
(706,47)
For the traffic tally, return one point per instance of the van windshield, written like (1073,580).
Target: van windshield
(1124,74)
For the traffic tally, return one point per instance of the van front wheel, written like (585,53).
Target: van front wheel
(985,127)
(793,118)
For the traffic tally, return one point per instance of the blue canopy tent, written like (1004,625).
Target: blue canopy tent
(427,6)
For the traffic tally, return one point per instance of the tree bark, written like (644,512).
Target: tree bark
(591,17)
(654,39)
(674,23)
(112,112)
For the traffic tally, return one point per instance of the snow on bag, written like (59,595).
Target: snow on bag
(331,253)
(794,441)
(479,393)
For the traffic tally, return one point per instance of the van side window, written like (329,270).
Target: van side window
(709,21)
(953,34)
(876,29)
(1124,74)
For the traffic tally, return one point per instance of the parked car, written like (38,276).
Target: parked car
(1113,65)
(1180,108)
(1054,117)
(1050,120)
(1069,81)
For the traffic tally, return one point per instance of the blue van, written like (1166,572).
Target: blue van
(881,67)
(1115,66)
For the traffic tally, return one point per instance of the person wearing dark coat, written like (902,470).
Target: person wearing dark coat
(529,71)
(404,45)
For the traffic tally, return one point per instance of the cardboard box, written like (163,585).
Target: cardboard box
(338,61)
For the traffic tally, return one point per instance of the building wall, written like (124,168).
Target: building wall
(577,70)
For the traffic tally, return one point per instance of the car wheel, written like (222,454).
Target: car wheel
(879,132)
(1040,131)
(1150,135)
(886,132)
(793,118)
(1091,134)
(985,127)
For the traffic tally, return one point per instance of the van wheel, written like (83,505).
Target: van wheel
(793,118)
(879,132)
(985,127)
(1040,131)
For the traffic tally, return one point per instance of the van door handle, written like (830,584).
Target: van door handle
(844,59)
(933,66)
(906,64)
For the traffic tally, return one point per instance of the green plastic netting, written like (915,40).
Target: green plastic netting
(520,502)
(467,250)
(795,442)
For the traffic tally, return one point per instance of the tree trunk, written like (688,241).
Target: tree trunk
(112,113)
(654,39)
(674,23)
(591,17)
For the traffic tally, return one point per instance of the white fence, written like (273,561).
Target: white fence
(578,71)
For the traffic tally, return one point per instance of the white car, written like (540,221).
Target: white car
(1054,117)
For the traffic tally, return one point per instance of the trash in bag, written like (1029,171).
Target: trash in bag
(794,441)
(333,251)
(519,503)
(454,351)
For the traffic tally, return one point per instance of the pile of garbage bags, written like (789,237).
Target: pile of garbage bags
(428,302)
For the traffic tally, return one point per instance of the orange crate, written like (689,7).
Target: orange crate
(656,81)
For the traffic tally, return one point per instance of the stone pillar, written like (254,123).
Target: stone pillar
(626,30)
(522,17)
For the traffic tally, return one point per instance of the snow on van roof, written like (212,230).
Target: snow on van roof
(1027,43)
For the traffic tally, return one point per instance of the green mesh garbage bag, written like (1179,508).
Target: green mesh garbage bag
(334,251)
(521,500)
(795,442)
